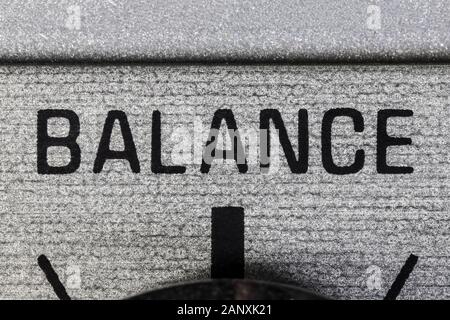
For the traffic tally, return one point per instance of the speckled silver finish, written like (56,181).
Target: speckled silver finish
(116,234)
(224,30)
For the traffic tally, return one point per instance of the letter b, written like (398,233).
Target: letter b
(44,141)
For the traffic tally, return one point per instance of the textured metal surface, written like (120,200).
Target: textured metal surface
(126,233)
(224,30)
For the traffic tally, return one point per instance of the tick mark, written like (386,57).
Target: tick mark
(52,278)
(227,242)
(399,282)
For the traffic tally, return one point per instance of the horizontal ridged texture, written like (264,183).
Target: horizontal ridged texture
(132,232)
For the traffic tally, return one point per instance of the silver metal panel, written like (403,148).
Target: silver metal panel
(224,30)
(120,233)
